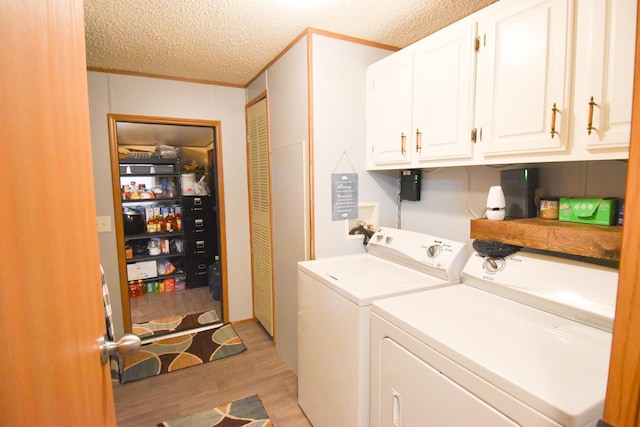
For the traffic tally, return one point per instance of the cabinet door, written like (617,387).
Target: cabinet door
(389,95)
(523,63)
(443,90)
(605,53)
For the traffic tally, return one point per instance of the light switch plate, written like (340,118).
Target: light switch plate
(104,224)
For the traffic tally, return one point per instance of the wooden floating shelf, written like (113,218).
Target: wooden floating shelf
(593,241)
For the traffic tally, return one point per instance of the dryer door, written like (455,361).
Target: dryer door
(412,393)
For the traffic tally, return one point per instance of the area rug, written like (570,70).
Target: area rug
(245,412)
(172,324)
(182,351)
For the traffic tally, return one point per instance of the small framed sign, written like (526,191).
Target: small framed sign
(344,196)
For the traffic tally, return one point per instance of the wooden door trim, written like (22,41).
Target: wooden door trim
(622,404)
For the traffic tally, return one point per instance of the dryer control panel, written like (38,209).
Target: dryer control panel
(432,255)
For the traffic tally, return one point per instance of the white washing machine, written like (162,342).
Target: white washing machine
(523,341)
(334,303)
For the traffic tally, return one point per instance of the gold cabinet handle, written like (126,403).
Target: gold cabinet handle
(403,143)
(590,119)
(418,141)
(554,110)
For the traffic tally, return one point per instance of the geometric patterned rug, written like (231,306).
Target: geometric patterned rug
(172,324)
(184,350)
(245,412)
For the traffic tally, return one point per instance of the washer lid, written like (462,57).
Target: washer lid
(557,366)
(363,278)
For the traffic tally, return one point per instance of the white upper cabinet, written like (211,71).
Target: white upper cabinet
(419,101)
(604,64)
(522,102)
(443,93)
(533,80)
(389,95)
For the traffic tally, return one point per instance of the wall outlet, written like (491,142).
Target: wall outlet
(104,224)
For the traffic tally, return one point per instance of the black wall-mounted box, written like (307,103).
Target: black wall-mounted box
(410,184)
(519,188)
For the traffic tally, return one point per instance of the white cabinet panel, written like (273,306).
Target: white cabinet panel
(389,97)
(523,67)
(443,86)
(605,52)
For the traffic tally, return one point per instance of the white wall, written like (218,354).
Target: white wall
(286,81)
(98,109)
(122,94)
(450,197)
(339,119)
(338,85)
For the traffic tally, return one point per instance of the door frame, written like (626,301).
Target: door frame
(622,402)
(113,120)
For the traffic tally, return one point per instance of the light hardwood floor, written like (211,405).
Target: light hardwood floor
(157,305)
(259,370)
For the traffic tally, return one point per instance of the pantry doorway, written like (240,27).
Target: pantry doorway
(169,221)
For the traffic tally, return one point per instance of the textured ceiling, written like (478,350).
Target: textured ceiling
(231,41)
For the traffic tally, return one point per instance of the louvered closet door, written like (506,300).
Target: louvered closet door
(260,209)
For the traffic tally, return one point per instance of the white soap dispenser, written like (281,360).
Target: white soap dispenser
(495,203)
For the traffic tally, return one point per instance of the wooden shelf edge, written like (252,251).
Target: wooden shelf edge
(593,241)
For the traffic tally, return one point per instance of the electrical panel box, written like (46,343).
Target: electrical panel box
(410,184)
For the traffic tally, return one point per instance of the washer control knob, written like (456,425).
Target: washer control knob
(388,240)
(493,265)
(433,251)
(379,237)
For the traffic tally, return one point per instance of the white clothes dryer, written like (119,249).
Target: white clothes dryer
(334,303)
(523,341)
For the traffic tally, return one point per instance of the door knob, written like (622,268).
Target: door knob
(125,346)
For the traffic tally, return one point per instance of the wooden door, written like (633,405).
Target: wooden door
(259,162)
(51,312)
